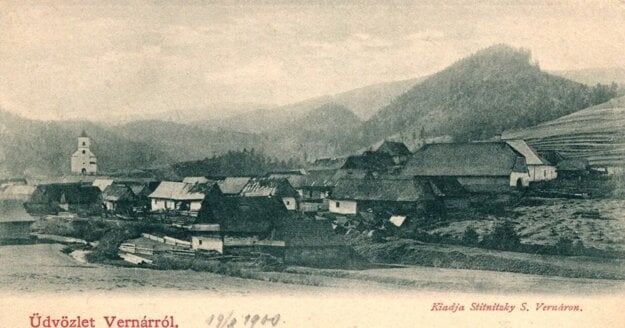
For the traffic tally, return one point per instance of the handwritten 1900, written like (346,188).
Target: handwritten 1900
(247,321)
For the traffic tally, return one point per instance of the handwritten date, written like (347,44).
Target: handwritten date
(247,321)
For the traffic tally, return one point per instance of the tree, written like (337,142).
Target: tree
(470,236)
(503,237)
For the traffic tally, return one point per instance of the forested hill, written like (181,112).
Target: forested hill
(233,163)
(480,96)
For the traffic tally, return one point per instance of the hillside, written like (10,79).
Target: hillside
(596,134)
(324,131)
(592,76)
(44,148)
(363,102)
(182,142)
(480,96)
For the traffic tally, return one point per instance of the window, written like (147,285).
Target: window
(337,204)
(288,202)
(199,241)
(83,151)
(84,143)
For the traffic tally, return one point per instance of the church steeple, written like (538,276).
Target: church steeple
(83,160)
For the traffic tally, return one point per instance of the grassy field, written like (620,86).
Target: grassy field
(597,223)
(596,133)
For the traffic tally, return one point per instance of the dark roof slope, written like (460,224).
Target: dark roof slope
(118,193)
(242,214)
(405,190)
(71,193)
(372,161)
(328,163)
(465,159)
(297,232)
(393,148)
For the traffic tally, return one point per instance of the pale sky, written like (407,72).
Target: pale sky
(61,60)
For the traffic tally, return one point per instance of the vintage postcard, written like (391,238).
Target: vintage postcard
(274,163)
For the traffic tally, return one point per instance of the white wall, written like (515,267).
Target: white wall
(525,178)
(196,205)
(290,203)
(162,204)
(542,172)
(342,206)
(207,243)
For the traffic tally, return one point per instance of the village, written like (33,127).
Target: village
(329,214)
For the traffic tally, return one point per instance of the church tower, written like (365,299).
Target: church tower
(83,160)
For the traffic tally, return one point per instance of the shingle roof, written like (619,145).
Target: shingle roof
(465,159)
(176,191)
(323,178)
(531,156)
(102,183)
(242,214)
(406,190)
(393,148)
(268,187)
(233,185)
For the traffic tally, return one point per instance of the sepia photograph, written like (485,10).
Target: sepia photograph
(299,163)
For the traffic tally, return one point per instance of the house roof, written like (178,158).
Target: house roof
(118,192)
(242,214)
(233,185)
(465,159)
(328,163)
(102,183)
(268,187)
(531,156)
(393,148)
(295,179)
(83,134)
(71,193)
(194,180)
(405,190)
(573,165)
(297,232)
(16,191)
(372,161)
(176,191)
(323,178)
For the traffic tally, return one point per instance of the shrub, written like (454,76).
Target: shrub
(503,237)
(470,236)
(108,247)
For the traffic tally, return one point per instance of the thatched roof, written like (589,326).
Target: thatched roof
(465,159)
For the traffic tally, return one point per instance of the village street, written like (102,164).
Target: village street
(43,268)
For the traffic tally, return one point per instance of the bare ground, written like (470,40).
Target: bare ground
(43,268)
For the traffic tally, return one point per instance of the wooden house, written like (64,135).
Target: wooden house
(313,243)
(478,167)
(235,223)
(397,150)
(278,188)
(119,198)
(314,189)
(383,196)
(70,197)
(180,196)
